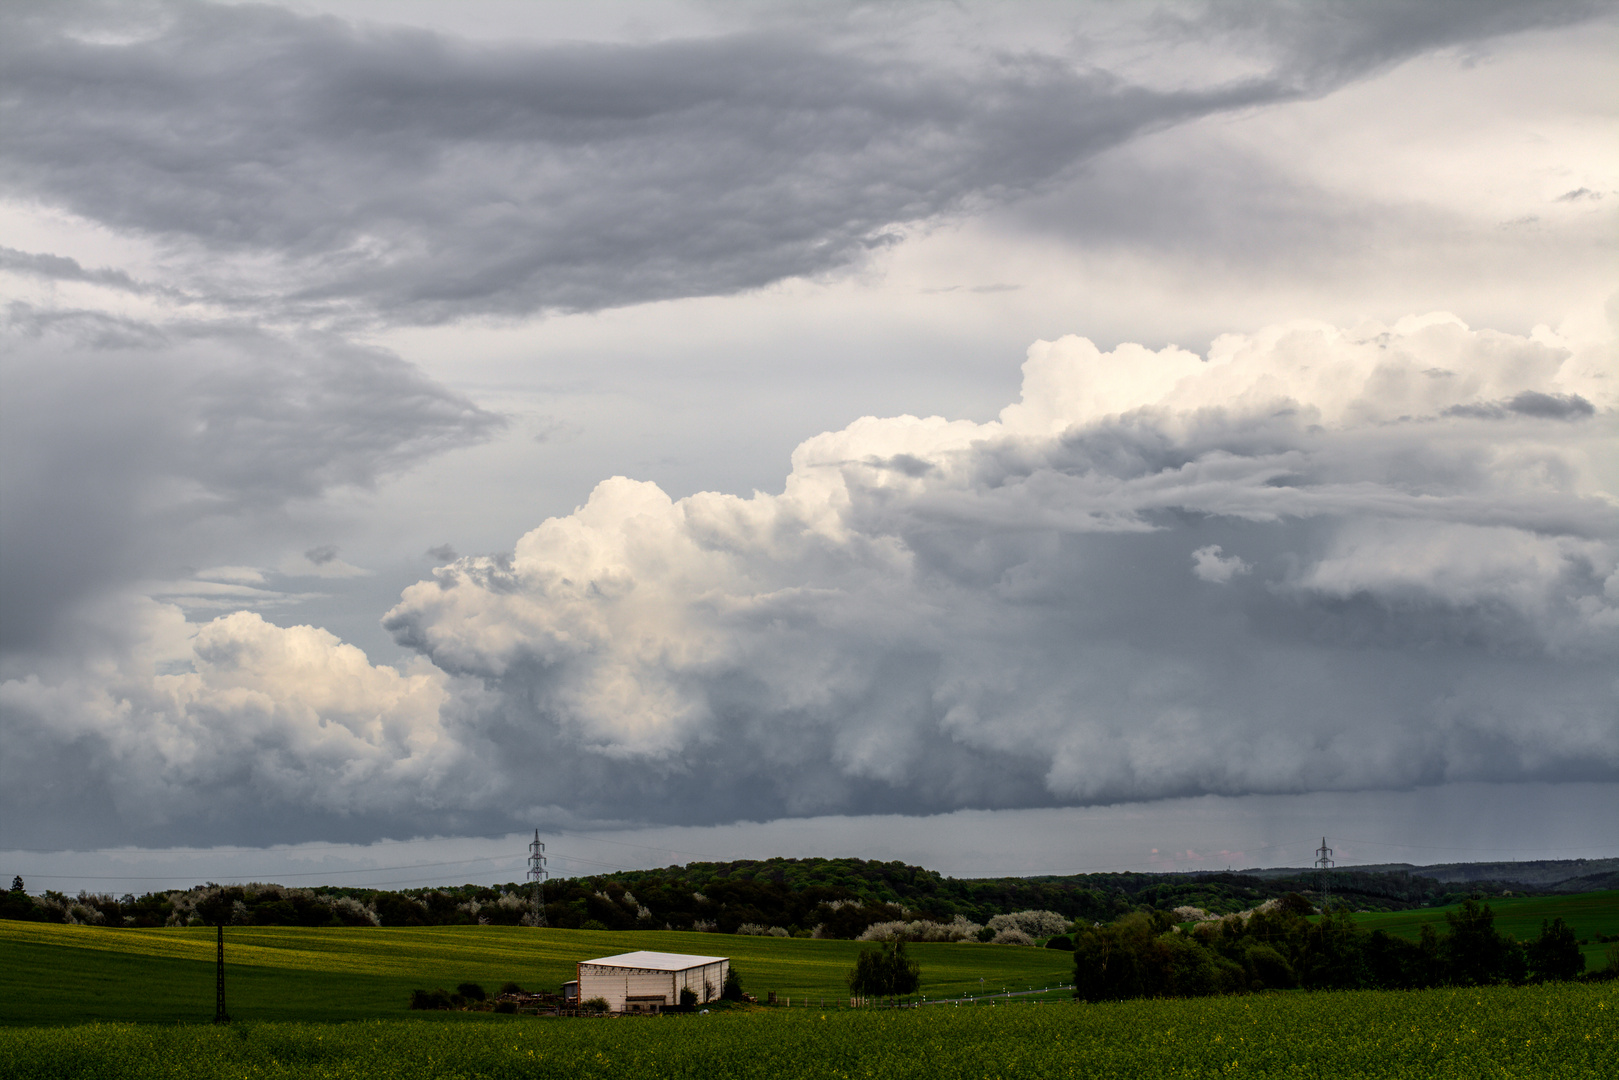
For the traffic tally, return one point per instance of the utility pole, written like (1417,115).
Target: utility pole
(536,875)
(220,1015)
(1323,863)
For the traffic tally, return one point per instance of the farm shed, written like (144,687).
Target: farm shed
(647,981)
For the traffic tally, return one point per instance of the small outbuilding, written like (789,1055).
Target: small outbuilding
(644,982)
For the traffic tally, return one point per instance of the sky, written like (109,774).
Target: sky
(1010,438)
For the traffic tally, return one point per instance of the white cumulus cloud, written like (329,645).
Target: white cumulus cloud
(1210,565)
(941,613)
(934,614)
(233,714)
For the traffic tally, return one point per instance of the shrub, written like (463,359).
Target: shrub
(688,997)
(1267,969)
(429,999)
(1395,964)
(1476,953)
(1032,923)
(1187,969)
(958,929)
(396,909)
(1011,936)
(471,991)
(351,912)
(511,988)
(595,1004)
(1555,954)
(506,1006)
(593,924)
(885,972)
(1061,941)
(1295,904)
(732,990)
(1135,957)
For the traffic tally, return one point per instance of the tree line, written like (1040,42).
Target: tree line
(833,898)
(1145,954)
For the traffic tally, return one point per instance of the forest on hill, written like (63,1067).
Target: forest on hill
(833,898)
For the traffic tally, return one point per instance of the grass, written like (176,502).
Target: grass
(55,974)
(1588,914)
(1561,1032)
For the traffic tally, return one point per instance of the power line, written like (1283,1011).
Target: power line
(307,845)
(328,874)
(1439,847)
(316,874)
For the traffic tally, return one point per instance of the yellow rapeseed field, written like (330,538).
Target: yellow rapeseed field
(1554,1031)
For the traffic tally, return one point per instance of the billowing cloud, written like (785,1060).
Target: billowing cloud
(307,165)
(938,614)
(1310,560)
(242,715)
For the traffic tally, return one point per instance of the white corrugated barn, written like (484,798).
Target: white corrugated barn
(647,981)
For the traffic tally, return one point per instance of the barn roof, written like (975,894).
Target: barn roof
(655,961)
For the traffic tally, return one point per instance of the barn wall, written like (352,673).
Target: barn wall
(615,984)
(713,973)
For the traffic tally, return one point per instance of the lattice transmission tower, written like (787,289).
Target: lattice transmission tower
(1323,863)
(536,877)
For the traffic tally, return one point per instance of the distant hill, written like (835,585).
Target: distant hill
(1541,875)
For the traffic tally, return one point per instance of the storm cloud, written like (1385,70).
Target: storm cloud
(1295,564)
(296,303)
(346,171)
(1407,596)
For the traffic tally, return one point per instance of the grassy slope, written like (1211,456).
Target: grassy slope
(51,973)
(1588,913)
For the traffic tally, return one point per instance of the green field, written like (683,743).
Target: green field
(56,974)
(1557,1031)
(1589,914)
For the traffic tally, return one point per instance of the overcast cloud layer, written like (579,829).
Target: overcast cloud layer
(398,174)
(293,298)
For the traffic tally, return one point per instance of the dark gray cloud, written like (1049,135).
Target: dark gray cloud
(420,178)
(1321,43)
(1530,403)
(1560,406)
(61,268)
(1117,593)
(126,448)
